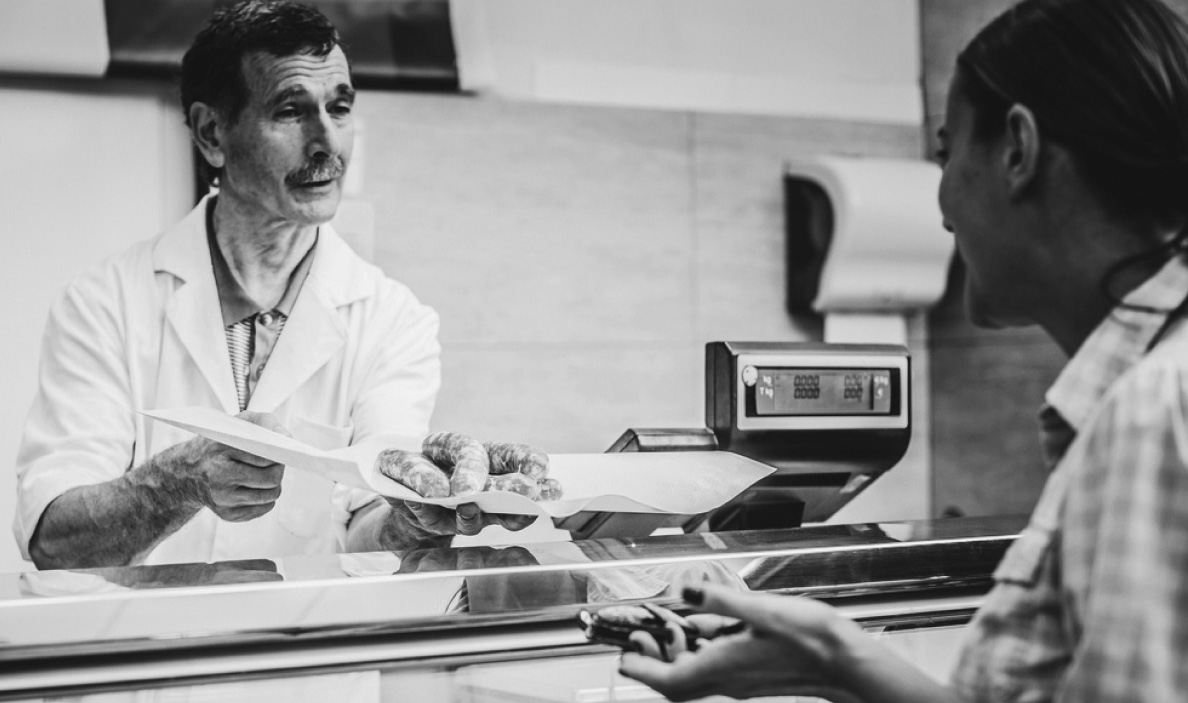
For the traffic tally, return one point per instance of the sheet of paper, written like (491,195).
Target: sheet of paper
(649,482)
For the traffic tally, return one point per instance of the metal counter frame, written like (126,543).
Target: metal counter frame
(910,574)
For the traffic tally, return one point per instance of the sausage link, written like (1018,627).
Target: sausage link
(550,489)
(414,471)
(514,483)
(462,454)
(512,457)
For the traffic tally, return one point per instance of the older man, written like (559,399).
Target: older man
(251,304)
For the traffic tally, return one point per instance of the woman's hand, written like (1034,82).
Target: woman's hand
(754,645)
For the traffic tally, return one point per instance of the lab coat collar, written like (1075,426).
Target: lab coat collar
(313,334)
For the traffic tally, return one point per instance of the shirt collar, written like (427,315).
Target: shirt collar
(1117,343)
(234,302)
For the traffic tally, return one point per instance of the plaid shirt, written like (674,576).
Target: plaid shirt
(1091,602)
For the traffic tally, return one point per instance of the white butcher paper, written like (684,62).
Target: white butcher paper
(683,483)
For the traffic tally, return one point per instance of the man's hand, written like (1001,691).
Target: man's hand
(119,522)
(411,524)
(394,525)
(235,485)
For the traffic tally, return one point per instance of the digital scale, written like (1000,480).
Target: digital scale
(829,417)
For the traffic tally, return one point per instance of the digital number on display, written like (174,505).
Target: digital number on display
(823,392)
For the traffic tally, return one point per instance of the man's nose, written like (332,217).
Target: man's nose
(322,138)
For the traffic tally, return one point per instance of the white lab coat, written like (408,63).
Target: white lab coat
(359,357)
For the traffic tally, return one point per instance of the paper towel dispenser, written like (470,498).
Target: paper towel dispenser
(808,221)
(863,235)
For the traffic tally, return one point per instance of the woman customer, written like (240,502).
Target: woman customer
(1065,153)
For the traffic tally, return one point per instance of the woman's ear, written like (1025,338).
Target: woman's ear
(206,130)
(1022,156)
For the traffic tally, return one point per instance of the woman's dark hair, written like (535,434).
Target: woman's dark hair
(211,68)
(1107,79)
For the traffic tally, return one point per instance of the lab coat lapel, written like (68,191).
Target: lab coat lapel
(193,310)
(314,332)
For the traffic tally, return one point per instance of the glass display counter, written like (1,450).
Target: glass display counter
(466,624)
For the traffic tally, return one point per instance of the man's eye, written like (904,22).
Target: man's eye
(340,109)
(286,113)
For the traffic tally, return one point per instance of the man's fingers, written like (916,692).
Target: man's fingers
(235,497)
(243,495)
(432,518)
(512,522)
(249,458)
(469,519)
(243,513)
(252,476)
(466,519)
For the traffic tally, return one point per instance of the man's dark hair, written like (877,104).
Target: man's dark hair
(211,70)
(1106,79)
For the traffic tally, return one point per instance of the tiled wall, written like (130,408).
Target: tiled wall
(987,387)
(581,257)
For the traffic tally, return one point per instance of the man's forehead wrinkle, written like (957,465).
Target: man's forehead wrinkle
(277,77)
(288,92)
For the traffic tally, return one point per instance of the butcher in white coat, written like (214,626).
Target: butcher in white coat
(252,304)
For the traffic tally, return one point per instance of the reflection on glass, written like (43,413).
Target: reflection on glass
(74,582)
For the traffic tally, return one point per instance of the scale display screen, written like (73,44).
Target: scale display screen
(853,391)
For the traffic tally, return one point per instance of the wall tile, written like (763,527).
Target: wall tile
(570,398)
(739,214)
(530,222)
(986,453)
(987,387)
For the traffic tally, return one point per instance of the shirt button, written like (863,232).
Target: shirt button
(267,318)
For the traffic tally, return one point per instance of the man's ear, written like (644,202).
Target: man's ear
(1021,159)
(206,129)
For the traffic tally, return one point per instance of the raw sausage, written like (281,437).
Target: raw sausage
(515,483)
(463,456)
(511,457)
(414,471)
(550,489)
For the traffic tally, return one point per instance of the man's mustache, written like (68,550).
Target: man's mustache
(317,171)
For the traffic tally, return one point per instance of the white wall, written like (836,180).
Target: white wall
(89,168)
